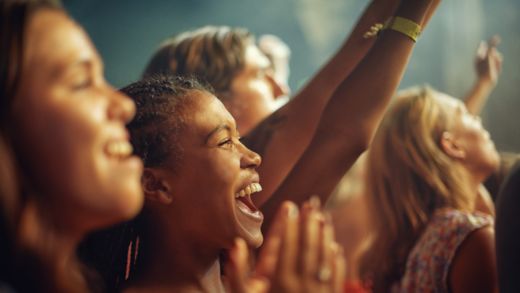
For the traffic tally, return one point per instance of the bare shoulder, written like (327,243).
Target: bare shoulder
(474,266)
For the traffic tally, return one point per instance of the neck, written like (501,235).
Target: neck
(55,246)
(482,199)
(181,266)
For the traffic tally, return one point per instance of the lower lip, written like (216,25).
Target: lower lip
(256,216)
(131,163)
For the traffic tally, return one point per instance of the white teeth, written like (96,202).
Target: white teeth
(248,190)
(119,149)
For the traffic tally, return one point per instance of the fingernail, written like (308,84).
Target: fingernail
(292,210)
(315,202)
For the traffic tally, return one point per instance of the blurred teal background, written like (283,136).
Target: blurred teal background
(127,32)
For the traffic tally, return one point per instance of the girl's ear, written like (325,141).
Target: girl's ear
(450,147)
(155,186)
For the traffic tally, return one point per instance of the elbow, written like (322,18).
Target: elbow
(351,141)
(361,142)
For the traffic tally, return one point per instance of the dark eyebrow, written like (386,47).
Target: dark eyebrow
(217,129)
(61,70)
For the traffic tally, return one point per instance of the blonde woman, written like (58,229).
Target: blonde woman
(425,167)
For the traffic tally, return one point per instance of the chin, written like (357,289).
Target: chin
(133,205)
(128,205)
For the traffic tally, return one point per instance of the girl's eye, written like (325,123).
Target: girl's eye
(86,83)
(226,142)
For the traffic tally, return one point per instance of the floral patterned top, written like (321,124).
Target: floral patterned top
(430,260)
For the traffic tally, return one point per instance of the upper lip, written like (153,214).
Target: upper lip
(254,178)
(119,135)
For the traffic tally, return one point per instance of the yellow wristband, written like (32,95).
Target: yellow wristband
(405,26)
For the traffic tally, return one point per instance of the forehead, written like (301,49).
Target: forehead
(55,41)
(208,112)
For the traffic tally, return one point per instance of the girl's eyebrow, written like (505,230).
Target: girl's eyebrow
(64,69)
(217,129)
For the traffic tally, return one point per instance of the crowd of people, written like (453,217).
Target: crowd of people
(152,188)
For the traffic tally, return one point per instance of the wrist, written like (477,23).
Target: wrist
(414,10)
(405,26)
(486,82)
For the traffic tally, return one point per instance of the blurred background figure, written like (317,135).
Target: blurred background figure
(279,54)
(314,32)
(347,204)
(424,174)
(66,161)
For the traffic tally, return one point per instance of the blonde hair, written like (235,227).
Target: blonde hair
(408,178)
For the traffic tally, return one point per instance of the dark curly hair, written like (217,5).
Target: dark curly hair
(161,101)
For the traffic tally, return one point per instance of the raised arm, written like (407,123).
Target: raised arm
(282,137)
(488,64)
(352,115)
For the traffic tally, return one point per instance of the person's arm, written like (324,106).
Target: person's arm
(474,266)
(352,115)
(282,137)
(488,64)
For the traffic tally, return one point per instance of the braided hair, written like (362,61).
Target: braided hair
(161,101)
(161,104)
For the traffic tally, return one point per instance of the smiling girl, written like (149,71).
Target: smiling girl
(65,137)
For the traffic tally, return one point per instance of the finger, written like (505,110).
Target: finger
(496,56)
(323,268)
(339,269)
(494,41)
(308,235)
(309,242)
(268,256)
(328,241)
(286,264)
(237,267)
(258,285)
(498,62)
(495,59)
(482,50)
